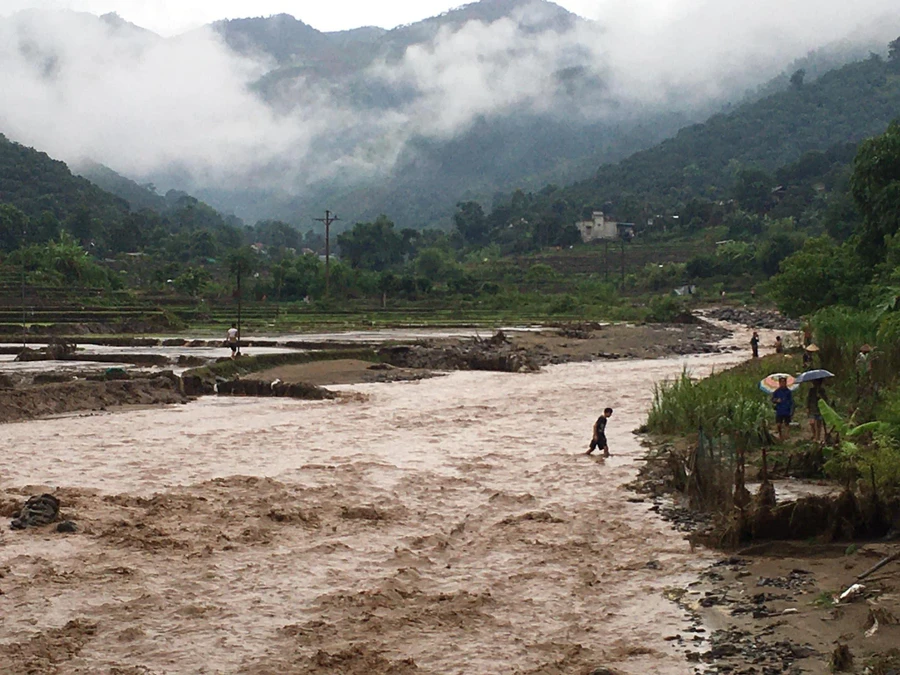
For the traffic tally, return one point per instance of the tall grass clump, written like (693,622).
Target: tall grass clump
(840,332)
(725,404)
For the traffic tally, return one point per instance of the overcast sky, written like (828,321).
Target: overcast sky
(169,17)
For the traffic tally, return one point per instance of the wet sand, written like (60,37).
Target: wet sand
(451,525)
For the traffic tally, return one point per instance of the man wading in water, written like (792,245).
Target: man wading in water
(598,441)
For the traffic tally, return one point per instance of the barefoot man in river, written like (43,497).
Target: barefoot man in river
(598,441)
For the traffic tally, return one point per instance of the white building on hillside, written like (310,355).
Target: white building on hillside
(599,228)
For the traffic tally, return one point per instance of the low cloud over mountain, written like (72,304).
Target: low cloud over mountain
(275,108)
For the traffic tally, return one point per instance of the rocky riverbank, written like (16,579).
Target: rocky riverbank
(784,608)
(754,318)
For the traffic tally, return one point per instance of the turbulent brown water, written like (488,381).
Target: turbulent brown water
(451,525)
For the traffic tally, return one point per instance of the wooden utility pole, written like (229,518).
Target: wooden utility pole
(24,313)
(606,260)
(328,220)
(240,296)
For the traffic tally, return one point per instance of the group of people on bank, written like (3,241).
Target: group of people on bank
(783,396)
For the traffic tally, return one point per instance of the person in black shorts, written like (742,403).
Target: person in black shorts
(598,441)
(783,400)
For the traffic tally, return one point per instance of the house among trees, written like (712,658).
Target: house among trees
(599,228)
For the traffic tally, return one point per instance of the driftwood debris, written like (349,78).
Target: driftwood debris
(887,561)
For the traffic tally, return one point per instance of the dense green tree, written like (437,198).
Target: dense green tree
(13,227)
(277,234)
(876,189)
(372,246)
(894,50)
(64,262)
(753,189)
(192,281)
(471,223)
(431,264)
(241,263)
(775,249)
(820,274)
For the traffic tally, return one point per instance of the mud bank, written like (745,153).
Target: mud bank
(343,371)
(775,608)
(771,607)
(522,351)
(57,398)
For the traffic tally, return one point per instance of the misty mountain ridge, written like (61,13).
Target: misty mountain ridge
(287,120)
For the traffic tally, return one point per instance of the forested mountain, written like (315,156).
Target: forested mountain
(298,47)
(269,118)
(578,124)
(44,188)
(139,197)
(731,151)
(41,199)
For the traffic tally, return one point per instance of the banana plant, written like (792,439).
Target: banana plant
(847,452)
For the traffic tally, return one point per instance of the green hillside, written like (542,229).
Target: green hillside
(138,196)
(37,185)
(704,160)
(40,199)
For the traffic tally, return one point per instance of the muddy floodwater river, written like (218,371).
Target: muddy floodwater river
(451,525)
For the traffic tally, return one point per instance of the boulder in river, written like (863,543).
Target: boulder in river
(37,511)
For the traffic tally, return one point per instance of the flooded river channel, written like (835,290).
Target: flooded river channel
(450,525)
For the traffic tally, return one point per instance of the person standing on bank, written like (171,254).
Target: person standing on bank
(816,422)
(783,400)
(598,440)
(754,344)
(779,345)
(233,339)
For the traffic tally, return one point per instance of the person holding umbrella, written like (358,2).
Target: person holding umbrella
(816,394)
(783,400)
(816,422)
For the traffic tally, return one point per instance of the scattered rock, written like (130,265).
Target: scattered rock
(755,318)
(841,659)
(66,527)
(37,511)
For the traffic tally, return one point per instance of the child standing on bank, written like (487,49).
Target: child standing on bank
(598,440)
